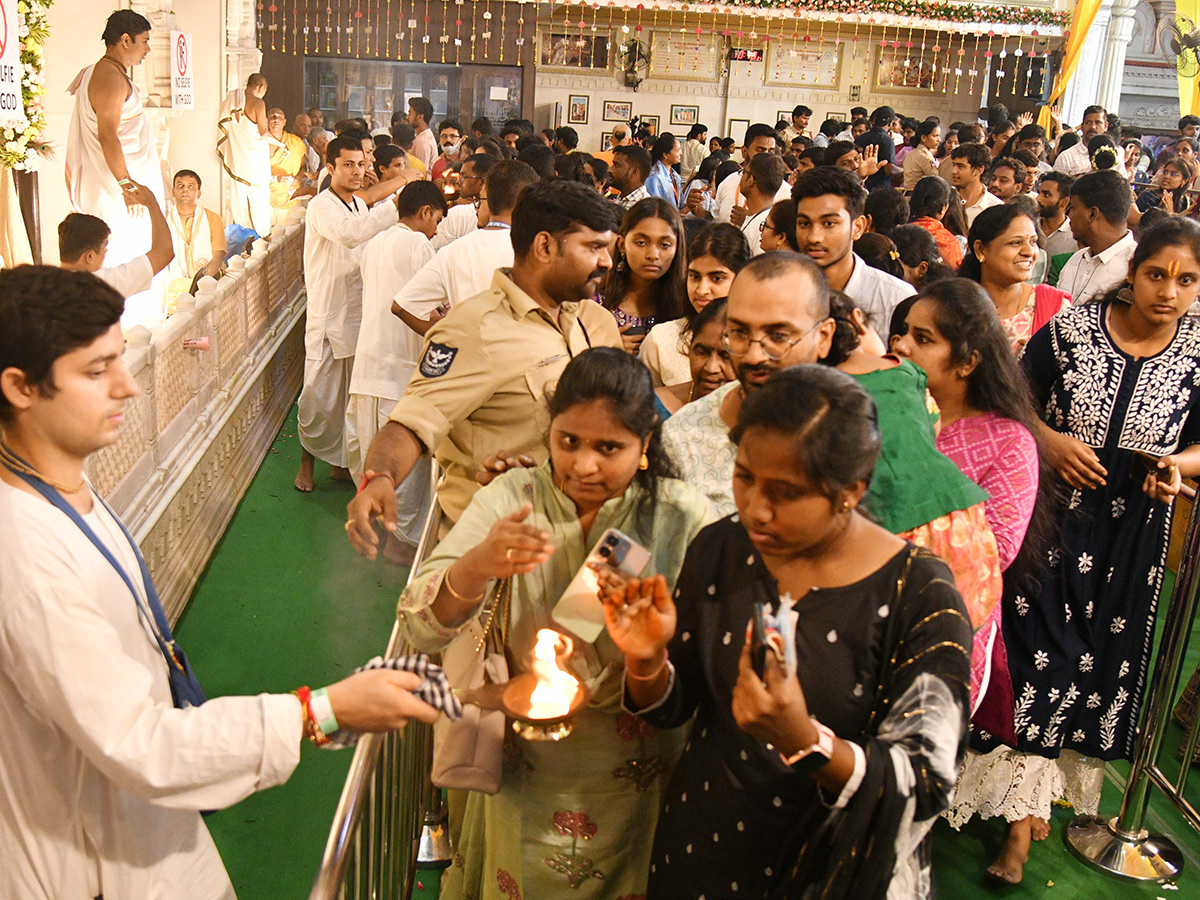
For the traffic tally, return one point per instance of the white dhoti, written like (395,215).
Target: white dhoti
(322,403)
(94,190)
(246,157)
(365,415)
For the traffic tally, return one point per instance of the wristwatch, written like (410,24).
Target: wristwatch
(813,757)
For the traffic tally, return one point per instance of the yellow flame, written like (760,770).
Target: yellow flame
(555,690)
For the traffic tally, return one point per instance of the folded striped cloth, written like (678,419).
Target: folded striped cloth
(435,690)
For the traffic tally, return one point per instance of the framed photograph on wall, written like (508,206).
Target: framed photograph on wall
(606,141)
(650,122)
(737,130)
(910,70)
(577,109)
(559,50)
(784,115)
(684,115)
(815,65)
(617,110)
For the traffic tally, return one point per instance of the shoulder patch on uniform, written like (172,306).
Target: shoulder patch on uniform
(437,359)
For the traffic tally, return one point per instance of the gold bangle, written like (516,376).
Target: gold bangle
(455,594)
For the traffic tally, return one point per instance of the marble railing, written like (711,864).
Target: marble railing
(217,380)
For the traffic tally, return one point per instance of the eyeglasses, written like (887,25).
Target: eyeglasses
(775,346)
(764,225)
(479,201)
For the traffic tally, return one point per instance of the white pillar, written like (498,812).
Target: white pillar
(1084,87)
(1120,32)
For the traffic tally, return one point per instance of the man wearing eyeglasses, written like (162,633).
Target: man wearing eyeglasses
(465,267)
(464,217)
(777,316)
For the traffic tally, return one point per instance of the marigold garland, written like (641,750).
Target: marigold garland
(23,148)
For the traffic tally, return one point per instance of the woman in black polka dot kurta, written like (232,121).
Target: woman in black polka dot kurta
(881,661)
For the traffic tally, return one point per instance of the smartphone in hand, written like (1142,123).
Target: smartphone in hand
(580,609)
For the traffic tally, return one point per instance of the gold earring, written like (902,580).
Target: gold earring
(845,506)
(644,463)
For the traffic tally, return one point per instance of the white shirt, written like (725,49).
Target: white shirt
(1061,240)
(458,272)
(1086,276)
(334,235)
(387,350)
(986,201)
(1075,160)
(729,196)
(425,148)
(752,229)
(129,278)
(101,778)
(876,293)
(458,222)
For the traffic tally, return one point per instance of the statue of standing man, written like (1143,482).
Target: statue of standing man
(245,152)
(110,151)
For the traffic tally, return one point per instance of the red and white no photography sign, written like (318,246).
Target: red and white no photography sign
(181,70)
(12,108)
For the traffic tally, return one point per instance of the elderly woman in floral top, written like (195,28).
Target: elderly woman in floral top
(572,817)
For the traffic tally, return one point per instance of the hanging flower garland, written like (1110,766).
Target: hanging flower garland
(939,10)
(23,148)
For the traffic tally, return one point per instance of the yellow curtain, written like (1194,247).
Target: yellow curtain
(1081,23)
(1189,86)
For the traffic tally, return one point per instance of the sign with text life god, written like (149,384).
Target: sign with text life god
(12,108)
(181,70)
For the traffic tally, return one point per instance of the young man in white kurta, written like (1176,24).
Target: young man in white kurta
(337,225)
(102,778)
(464,268)
(388,350)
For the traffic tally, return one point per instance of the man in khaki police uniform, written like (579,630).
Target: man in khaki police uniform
(480,387)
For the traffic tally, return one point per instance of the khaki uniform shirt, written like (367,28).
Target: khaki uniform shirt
(481,383)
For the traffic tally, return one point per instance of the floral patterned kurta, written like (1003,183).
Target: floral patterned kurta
(574,817)
(1079,642)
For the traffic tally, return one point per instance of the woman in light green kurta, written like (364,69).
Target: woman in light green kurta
(574,817)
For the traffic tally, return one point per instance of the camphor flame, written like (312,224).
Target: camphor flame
(555,690)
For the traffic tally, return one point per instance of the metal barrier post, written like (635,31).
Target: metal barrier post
(1121,846)
(372,847)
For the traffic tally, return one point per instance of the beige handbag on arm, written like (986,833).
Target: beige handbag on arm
(469,754)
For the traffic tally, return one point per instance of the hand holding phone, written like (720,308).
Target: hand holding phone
(580,609)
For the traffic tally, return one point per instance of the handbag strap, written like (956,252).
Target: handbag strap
(500,605)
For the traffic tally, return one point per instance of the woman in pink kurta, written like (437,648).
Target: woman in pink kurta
(987,429)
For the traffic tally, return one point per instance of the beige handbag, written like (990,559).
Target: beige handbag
(469,754)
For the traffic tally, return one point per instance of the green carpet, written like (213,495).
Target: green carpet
(285,601)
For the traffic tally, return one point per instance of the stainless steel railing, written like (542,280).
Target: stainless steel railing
(371,852)
(1121,845)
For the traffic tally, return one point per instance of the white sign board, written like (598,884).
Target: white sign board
(181,70)
(12,108)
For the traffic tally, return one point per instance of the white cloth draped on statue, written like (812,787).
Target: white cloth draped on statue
(246,157)
(94,190)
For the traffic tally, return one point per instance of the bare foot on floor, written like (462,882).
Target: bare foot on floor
(304,478)
(1039,828)
(340,473)
(1009,866)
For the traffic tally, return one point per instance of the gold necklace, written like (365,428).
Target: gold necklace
(13,462)
(124,71)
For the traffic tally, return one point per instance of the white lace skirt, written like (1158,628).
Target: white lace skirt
(1012,784)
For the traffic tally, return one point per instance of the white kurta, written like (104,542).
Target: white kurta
(458,271)
(459,222)
(94,190)
(246,158)
(334,235)
(101,777)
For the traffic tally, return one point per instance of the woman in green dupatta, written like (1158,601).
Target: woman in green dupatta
(578,815)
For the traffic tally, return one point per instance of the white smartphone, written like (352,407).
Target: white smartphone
(579,610)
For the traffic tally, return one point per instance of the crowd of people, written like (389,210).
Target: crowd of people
(896,409)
